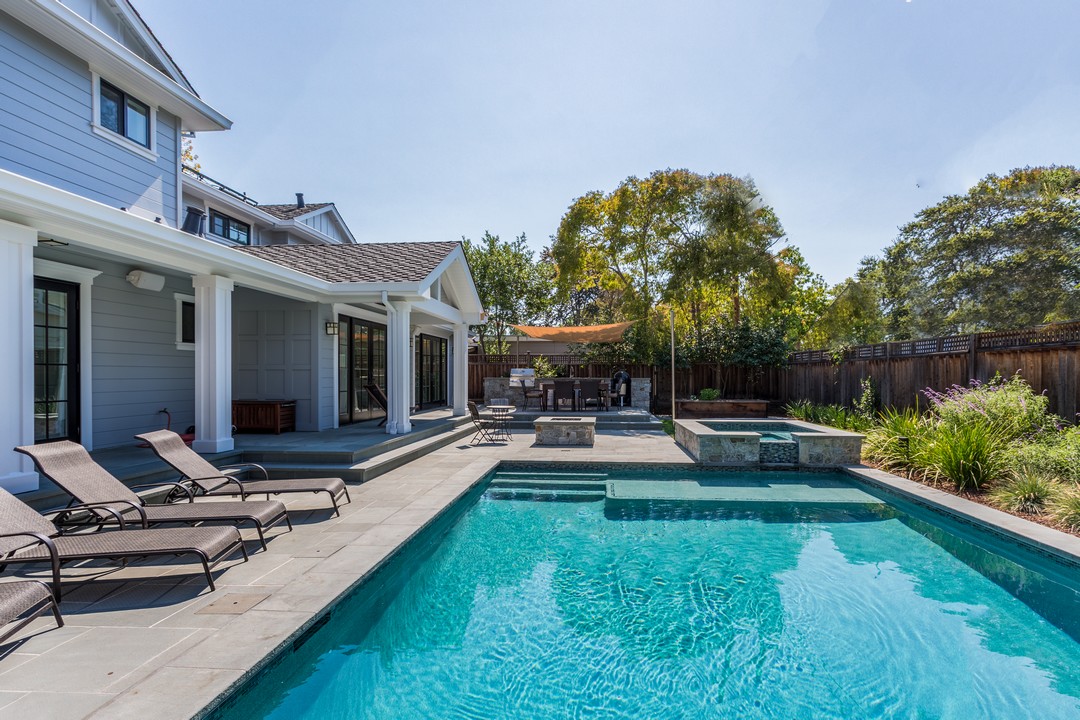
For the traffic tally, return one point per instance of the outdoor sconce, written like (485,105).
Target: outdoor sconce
(146,280)
(331,328)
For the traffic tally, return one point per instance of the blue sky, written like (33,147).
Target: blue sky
(432,120)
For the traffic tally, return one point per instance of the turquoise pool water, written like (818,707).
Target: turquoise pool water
(753,595)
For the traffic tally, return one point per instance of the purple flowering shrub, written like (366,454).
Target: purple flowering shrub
(1009,406)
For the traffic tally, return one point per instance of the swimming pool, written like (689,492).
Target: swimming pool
(667,594)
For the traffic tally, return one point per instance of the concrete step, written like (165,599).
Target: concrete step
(367,468)
(348,457)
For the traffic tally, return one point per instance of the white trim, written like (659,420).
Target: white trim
(82,38)
(180,299)
(84,278)
(358,313)
(150,153)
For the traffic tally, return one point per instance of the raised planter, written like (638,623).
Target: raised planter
(722,408)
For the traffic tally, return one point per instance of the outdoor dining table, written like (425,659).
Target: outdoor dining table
(500,420)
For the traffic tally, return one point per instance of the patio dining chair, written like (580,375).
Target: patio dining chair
(485,426)
(589,394)
(531,393)
(197,474)
(29,537)
(70,466)
(26,599)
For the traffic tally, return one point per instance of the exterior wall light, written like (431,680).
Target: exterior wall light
(331,328)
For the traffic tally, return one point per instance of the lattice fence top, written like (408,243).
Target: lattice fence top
(1056,334)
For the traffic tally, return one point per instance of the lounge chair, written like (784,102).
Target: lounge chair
(69,465)
(25,597)
(26,536)
(202,477)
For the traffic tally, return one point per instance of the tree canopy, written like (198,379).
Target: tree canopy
(1006,254)
(701,244)
(515,289)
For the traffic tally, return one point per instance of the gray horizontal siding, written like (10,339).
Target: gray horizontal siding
(45,108)
(137,369)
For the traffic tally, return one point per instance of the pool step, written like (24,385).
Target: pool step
(552,495)
(552,484)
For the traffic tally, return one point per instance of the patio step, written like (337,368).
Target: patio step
(322,457)
(383,460)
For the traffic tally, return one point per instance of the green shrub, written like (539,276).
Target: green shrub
(708,394)
(1027,491)
(799,409)
(969,456)
(867,402)
(1065,509)
(895,441)
(1054,454)
(836,416)
(1009,405)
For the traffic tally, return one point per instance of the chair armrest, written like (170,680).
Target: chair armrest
(175,487)
(54,557)
(242,466)
(225,479)
(102,507)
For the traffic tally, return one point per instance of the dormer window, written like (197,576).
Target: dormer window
(229,228)
(125,115)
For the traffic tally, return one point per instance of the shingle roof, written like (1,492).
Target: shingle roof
(290,211)
(368,262)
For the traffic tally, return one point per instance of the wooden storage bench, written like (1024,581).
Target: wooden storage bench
(264,415)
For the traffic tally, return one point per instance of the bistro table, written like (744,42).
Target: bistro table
(500,420)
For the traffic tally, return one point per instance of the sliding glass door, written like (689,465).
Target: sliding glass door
(361,361)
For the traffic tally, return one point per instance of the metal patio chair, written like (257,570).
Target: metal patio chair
(69,466)
(485,426)
(204,479)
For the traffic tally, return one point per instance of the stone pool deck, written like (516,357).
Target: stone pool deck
(151,640)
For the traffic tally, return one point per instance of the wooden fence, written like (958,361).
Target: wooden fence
(1047,357)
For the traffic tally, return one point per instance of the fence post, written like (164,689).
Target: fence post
(973,357)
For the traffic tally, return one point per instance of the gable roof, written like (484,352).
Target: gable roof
(290,211)
(366,263)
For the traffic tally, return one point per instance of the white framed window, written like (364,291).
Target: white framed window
(124,119)
(185,321)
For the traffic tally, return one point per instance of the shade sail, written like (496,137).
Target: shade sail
(586,333)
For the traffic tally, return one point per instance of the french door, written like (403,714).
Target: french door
(361,361)
(56,360)
(431,361)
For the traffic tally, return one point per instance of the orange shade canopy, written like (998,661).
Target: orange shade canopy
(587,333)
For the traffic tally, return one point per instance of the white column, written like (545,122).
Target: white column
(461,368)
(213,364)
(399,370)
(17,364)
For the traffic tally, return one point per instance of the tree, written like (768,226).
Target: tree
(699,243)
(853,315)
(514,289)
(1004,255)
(187,153)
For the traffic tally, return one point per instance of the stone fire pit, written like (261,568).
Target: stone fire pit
(565,430)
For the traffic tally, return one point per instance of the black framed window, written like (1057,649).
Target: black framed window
(123,114)
(229,228)
(187,322)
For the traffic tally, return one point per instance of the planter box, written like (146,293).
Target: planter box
(722,408)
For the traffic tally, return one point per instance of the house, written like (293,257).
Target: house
(131,285)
